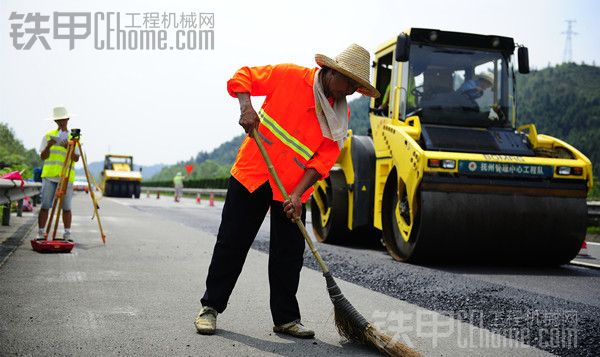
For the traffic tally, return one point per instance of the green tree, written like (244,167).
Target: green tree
(212,169)
(359,115)
(14,156)
(564,102)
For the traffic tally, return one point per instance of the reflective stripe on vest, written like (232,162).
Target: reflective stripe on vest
(63,153)
(284,136)
(55,161)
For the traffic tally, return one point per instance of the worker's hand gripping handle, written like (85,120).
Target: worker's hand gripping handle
(298,221)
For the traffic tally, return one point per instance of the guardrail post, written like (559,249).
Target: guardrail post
(20,208)
(5,214)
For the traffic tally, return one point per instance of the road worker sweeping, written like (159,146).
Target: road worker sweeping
(303,124)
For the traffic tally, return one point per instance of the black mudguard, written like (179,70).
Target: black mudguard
(363,162)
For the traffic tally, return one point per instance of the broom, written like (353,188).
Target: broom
(349,322)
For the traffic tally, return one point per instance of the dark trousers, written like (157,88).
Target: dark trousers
(243,214)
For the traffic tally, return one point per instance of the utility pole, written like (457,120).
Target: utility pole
(568,54)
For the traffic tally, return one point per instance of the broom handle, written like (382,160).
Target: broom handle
(298,221)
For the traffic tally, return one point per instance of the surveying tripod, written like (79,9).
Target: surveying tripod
(59,245)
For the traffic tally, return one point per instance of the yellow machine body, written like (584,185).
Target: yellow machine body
(118,179)
(445,174)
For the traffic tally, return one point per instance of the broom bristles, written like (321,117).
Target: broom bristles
(388,345)
(354,327)
(349,322)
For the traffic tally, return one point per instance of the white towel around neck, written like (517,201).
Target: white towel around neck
(333,121)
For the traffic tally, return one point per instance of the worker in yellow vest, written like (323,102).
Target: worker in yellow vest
(178,183)
(53,151)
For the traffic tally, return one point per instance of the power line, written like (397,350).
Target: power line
(568,53)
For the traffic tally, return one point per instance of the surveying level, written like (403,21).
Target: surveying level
(57,245)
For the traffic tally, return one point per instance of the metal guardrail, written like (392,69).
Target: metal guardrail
(593,206)
(11,191)
(221,192)
(593,213)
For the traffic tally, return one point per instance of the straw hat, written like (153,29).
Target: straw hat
(354,63)
(59,113)
(486,77)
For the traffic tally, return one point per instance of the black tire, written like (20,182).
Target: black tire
(559,252)
(130,189)
(122,189)
(398,247)
(116,189)
(108,189)
(137,190)
(330,223)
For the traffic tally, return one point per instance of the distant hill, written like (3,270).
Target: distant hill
(359,115)
(224,154)
(213,164)
(564,101)
(96,168)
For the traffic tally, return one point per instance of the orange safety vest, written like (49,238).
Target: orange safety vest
(289,128)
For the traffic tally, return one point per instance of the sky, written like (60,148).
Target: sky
(164,106)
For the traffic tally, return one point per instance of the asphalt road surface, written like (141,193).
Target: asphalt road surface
(139,293)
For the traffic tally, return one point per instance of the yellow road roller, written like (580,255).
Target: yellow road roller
(445,174)
(118,179)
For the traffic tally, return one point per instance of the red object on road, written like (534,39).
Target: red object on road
(27,207)
(189,168)
(198,198)
(583,252)
(211,200)
(52,246)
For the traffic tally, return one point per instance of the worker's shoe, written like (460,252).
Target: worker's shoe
(41,235)
(206,322)
(294,328)
(67,236)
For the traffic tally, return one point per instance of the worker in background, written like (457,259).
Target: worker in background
(53,151)
(178,183)
(384,107)
(474,88)
(385,102)
(303,123)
